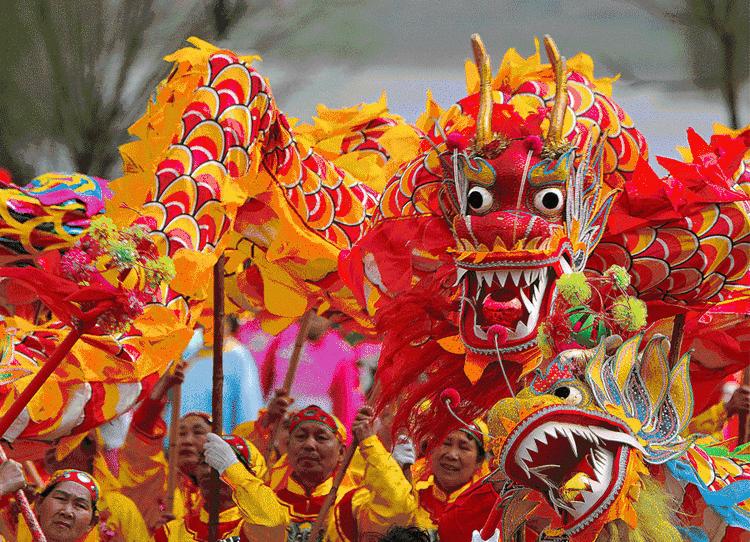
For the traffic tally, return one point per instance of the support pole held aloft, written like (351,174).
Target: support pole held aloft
(39,379)
(217,390)
(291,372)
(318,528)
(678,332)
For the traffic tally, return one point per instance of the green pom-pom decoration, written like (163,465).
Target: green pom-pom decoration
(629,313)
(618,275)
(123,253)
(574,288)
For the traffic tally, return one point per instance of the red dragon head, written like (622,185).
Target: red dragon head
(522,211)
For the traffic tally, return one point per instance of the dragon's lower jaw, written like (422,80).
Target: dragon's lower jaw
(511,300)
(579,466)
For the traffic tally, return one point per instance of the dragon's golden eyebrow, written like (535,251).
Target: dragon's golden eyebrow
(545,173)
(480,172)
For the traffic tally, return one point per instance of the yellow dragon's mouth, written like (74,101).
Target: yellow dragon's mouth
(576,458)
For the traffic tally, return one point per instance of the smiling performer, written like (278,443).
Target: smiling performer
(456,467)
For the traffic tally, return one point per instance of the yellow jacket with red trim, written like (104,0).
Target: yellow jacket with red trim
(143,474)
(383,499)
(257,516)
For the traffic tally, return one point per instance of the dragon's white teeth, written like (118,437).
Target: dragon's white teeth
(501,276)
(460,274)
(541,438)
(525,468)
(569,434)
(524,456)
(527,301)
(521,329)
(529,275)
(565,266)
(616,436)
(516,276)
(484,277)
(479,332)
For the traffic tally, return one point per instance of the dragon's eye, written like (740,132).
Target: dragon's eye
(569,394)
(479,199)
(549,200)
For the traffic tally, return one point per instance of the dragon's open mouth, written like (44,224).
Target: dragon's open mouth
(515,298)
(577,465)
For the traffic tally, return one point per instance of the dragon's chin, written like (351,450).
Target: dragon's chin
(503,302)
(576,458)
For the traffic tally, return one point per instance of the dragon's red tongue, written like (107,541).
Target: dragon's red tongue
(505,313)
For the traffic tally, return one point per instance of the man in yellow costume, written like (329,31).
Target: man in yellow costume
(316,447)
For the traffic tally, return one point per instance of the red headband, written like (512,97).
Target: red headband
(206,417)
(81,478)
(314,413)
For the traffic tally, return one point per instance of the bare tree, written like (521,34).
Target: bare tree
(716,34)
(77,74)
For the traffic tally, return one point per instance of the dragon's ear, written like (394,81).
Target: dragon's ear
(681,392)
(588,200)
(654,374)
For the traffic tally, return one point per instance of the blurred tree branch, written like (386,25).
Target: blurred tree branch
(77,74)
(711,29)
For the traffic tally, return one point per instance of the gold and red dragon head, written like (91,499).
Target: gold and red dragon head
(580,436)
(523,209)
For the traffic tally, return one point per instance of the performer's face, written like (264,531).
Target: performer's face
(191,436)
(454,461)
(313,451)
(66,513)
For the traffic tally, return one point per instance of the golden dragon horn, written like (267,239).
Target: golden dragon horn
(557,116)
(484,116)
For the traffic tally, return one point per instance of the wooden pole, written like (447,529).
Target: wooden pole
(678,332)
(30,469)
(291,372)
(176,396)
(217,390)
(36,531)
(320,522)
(39,379)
